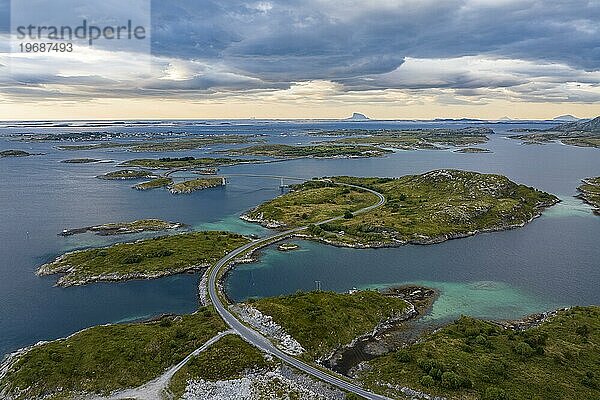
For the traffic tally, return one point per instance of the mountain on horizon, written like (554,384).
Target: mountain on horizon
(589,126)
(358,117)
(566,118)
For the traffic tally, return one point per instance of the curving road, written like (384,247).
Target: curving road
(255,338)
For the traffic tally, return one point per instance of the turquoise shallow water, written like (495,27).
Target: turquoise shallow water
(553,261)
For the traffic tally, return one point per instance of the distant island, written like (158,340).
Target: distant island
(310,151)
(81,161)
(127,174)
(581,133)
(358,117)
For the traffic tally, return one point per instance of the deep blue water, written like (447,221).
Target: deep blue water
(554,261)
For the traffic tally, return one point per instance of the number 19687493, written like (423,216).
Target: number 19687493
(28,47)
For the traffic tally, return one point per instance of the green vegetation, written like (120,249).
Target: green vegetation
(427,208)
(316,151)
(80,161)
(413,139)
(196,184)
(127,174)
(181,162)
(311,202)
(154,184)
(121,228)
(177,144)
(227,359)
(590,193)
(323,321)
(14,153)
(149,258)
(474,359)
(103,359)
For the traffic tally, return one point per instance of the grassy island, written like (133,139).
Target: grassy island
(122,228)
(412,139)
(15,153)
(154,184)
(314,151)
(196,184)
(106,358)
(590,193)
(144,259)
(475,359)
(428,208)
(127,174)
(323,321)
(181,162)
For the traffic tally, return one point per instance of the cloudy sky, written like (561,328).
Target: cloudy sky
(321,59)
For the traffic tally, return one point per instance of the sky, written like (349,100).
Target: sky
(388,59)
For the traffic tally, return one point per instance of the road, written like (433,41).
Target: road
(255,338)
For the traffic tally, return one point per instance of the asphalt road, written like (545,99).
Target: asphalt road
(255,338)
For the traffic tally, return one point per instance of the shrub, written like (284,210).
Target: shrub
(451,380)
(427,381)
(348,214)
(403,355)
(524,349)
(494,393)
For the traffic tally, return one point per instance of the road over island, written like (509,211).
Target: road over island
(255,338)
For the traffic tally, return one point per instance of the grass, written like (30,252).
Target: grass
(127,174)
(474,359)
(181,162)
(590,192)
(312,202)
(196,184)
(146,258)
(153,184)
(107,358)
(323,321)
(227,359)
(426,208)
(316,151)
(593,141)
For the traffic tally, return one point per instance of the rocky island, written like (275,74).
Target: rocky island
(472,150)
(154,184)
(123,228)
(81,161)
(590,193)
(143,259)
(421,209)
(182,162)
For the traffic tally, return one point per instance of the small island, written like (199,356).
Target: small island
(124,228)
(143,259)
(420,209)
(154,184)
(127,174)
(195,185)
(81,161)
(310,151)
(472,150)
(183,162)
(287,247)
(590,193)
(15,153)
